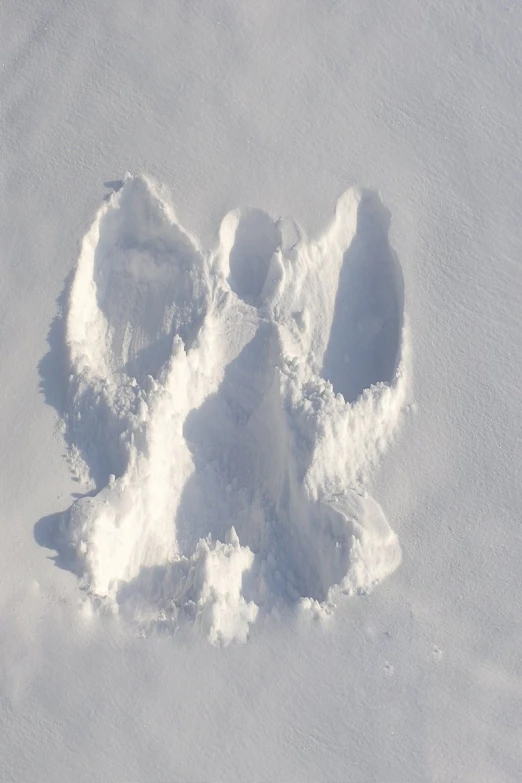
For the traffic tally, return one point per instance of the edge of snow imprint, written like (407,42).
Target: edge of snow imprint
(228,408)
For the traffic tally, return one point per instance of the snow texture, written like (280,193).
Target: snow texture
(229,407)
(279,106)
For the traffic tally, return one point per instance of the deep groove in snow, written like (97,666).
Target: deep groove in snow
(256,239)
(366,333)
(205,403)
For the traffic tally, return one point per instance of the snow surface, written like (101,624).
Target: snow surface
(198,409)
(224,403)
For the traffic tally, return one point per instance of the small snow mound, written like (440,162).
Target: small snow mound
(222,611)
(228,408)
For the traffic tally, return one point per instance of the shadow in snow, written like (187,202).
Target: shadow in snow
(53,367)
(229,454)
(114,186)
(365,337)
(49,532)
(256,240)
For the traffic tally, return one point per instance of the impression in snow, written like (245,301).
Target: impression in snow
(228,408)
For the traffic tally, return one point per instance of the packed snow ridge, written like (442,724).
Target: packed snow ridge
(228,408)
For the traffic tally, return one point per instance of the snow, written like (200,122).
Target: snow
(203,315)
(197,407)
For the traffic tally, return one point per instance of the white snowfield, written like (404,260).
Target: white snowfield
(221,428)
(229,407)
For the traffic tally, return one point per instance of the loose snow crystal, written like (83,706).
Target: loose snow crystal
(229,407)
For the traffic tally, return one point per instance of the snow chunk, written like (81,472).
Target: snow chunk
(223,612)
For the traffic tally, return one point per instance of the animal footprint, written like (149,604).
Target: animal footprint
(229,407)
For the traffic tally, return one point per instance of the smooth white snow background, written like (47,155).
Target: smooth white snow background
(281,106)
